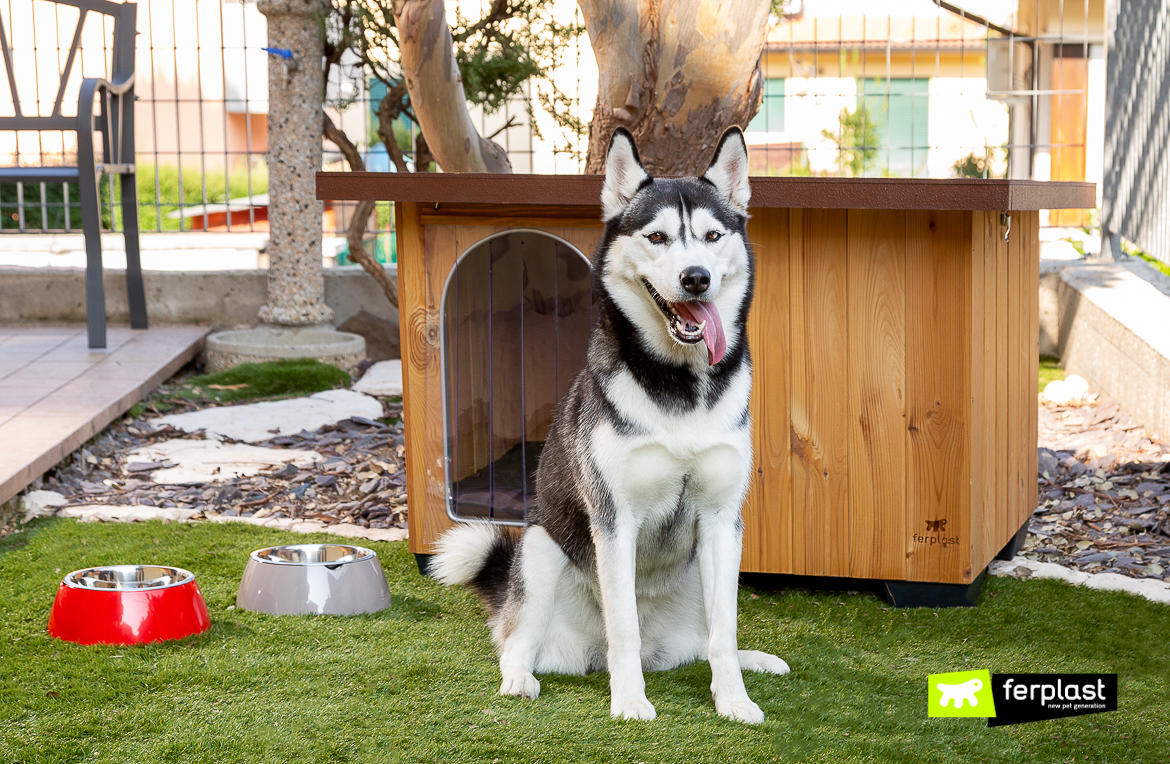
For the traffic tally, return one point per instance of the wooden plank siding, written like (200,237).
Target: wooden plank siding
(439,247)
(938,331)
(1016,369)
(767,513)
(1029,262)
(412,282)
(1032,399)
(976,351)
(986,232)
(820,394)
(877,393)
(1003,491)
(894,357)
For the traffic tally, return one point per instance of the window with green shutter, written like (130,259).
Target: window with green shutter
(770,117)
(900,112)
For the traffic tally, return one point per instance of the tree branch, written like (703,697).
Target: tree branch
(436,90)
(497,13)
(361,215)
(389,109)
(510,123)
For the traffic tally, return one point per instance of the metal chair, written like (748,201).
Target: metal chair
(114,120)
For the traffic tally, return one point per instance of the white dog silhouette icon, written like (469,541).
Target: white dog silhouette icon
(960,692)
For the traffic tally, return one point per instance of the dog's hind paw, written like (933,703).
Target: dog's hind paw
(741,711)
(765,663)
(522,685)
(634,709)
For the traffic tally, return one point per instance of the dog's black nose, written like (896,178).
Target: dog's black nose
(695,279)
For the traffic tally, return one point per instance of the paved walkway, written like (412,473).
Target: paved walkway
(56,393)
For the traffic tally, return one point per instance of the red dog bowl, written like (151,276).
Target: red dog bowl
(128,605)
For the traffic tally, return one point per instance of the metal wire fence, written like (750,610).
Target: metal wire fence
(904,88)
(1136,200)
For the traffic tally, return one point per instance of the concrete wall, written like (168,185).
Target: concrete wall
(1110,323)
(224,299)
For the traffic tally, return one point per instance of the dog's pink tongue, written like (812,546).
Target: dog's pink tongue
(697,311)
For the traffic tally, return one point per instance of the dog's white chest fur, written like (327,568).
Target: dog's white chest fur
(710,442)
(668,467)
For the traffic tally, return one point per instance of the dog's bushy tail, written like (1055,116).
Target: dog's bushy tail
(478,556)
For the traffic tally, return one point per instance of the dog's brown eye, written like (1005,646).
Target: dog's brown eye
(714,236)
(657,237)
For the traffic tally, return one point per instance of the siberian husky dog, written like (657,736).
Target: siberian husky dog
(630,559)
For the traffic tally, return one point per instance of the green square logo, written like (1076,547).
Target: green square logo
(960,693)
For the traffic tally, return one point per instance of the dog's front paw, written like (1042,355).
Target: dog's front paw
(521,684)
(754,660)
(741,711)
(633,709)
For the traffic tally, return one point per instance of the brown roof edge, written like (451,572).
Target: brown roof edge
(839,193)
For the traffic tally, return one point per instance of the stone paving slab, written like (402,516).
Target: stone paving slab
(203,462)
(1021,567)
(56,393)
(383,378)
(254,422)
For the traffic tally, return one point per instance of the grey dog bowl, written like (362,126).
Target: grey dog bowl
(332,579)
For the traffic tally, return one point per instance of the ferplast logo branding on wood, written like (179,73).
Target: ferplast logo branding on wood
(935,534)
(960,693)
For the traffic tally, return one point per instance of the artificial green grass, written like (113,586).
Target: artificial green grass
(418,682)
(1049,370)
(271,379)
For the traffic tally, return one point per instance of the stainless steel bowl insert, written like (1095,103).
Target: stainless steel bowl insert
(313,554)
(323,579)
(128,577)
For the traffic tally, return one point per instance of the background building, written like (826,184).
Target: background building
(903,88)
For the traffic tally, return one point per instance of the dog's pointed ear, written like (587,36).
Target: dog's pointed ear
(624,174)
(729,170)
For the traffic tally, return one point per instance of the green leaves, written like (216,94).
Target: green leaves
(511,43)
(493,73)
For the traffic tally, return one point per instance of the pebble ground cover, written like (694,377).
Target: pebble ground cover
(417,682)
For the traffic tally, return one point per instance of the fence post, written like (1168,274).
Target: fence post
(296,319)
(296,280)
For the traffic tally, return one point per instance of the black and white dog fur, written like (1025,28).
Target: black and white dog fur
(630,560)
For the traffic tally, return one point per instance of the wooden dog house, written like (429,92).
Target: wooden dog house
(894,338)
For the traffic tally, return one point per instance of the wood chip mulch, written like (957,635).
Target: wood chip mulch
(1104,488)
(361,480)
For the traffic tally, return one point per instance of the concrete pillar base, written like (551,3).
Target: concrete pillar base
(270,343)
(299,316)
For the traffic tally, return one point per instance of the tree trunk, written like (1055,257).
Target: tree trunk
(436,90)
(676,74)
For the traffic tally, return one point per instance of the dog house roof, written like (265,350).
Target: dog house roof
(840,193)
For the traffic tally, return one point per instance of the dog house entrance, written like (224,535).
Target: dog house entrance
(517,309)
